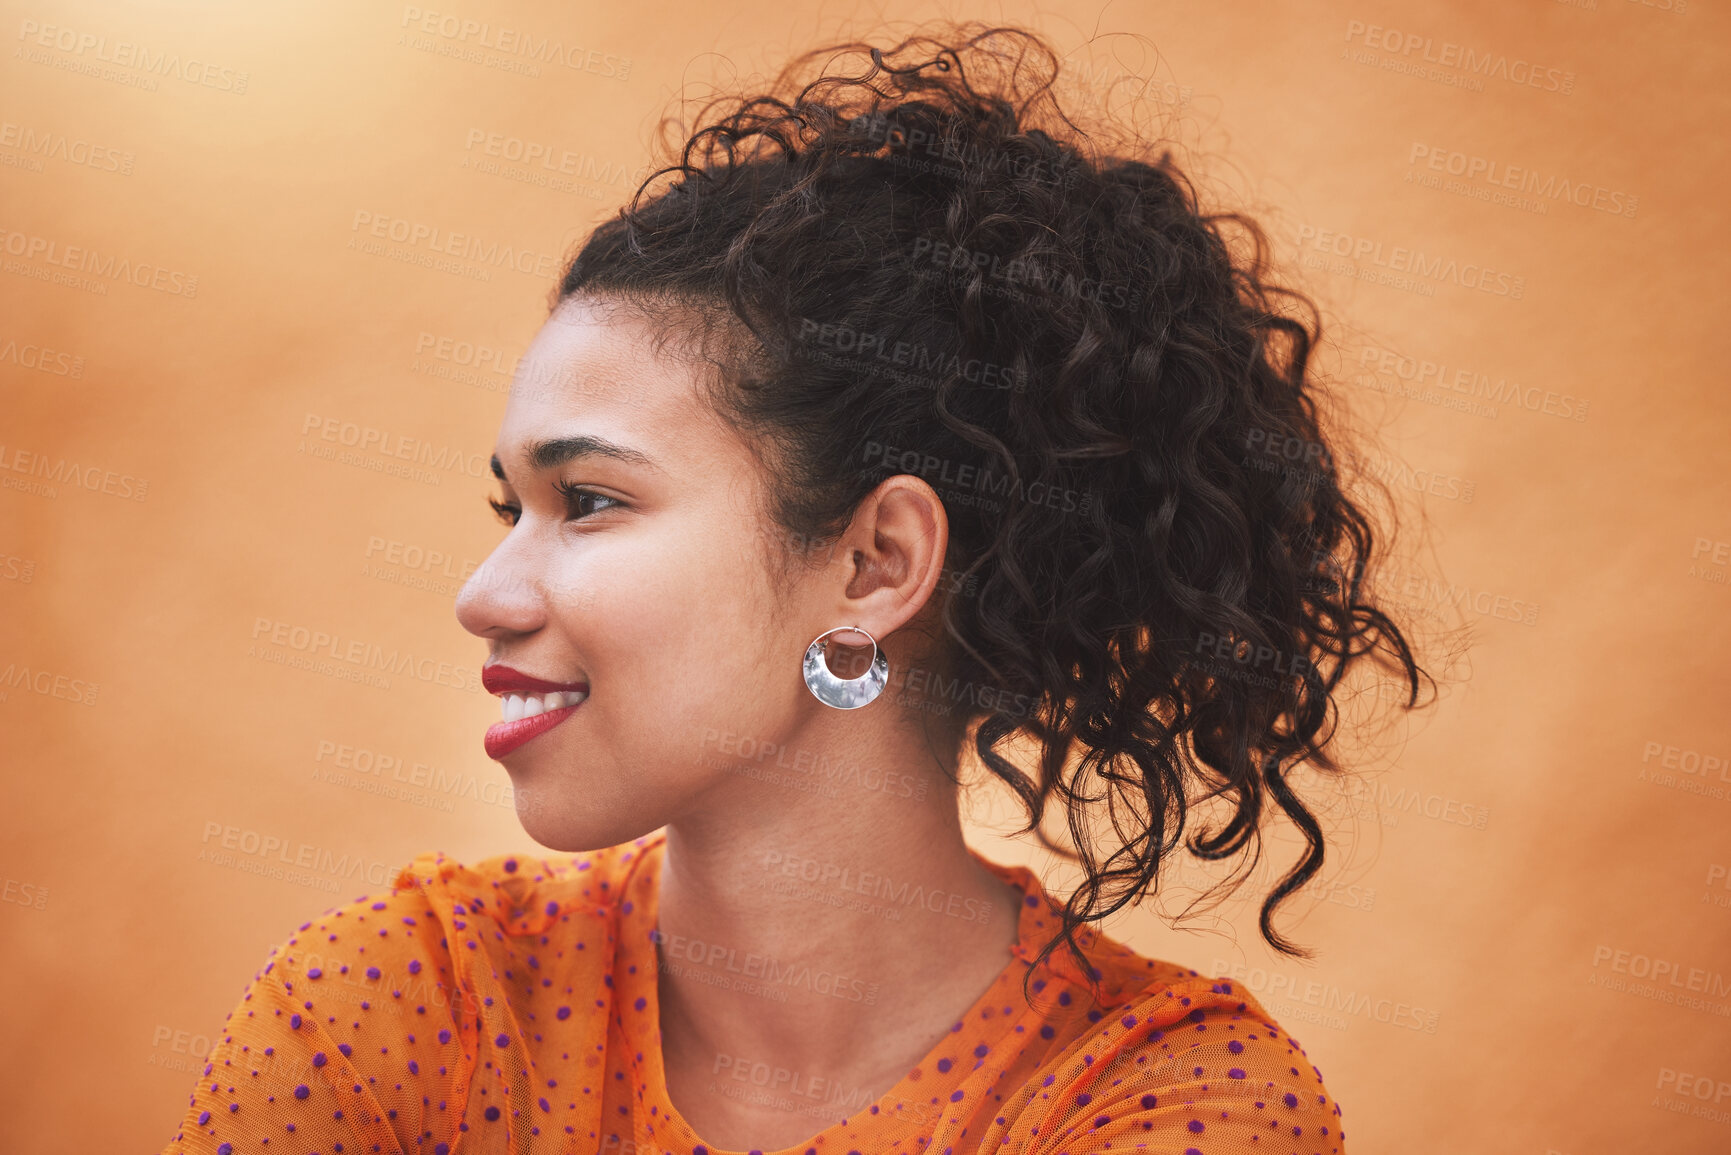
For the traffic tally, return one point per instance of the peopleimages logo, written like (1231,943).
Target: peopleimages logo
(365,438)
(1714,984)
(553,158)
(466,246)
(45,145)
(307,856)
(41,358)
(1268,985)
(963,476)
(763,968)
(1402,259)
(1484,65)
(47,683)
(361,655)
(1498,174)
(82,259)
(509,42)
(125,54)
(68,471)
(1011,277)
(925,365)
(902,894)
(1471,382)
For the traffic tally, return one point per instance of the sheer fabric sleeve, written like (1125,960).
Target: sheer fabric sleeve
(346,1041)
(1196,1069)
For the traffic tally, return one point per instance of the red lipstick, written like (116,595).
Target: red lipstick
(497,678)
(504,737)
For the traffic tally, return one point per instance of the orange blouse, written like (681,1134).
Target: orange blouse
(510,1006)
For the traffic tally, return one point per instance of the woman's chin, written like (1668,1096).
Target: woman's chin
(573,830)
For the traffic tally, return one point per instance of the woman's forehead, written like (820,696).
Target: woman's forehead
(597,372)
(584,357)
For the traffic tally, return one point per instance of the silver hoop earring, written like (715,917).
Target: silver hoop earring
(845,693)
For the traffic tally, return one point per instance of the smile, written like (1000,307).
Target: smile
(518,706)
(530,706)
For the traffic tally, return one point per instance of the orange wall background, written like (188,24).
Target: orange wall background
(1524,935)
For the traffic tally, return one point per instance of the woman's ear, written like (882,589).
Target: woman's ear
(895,550)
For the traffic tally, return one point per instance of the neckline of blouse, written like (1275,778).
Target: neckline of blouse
(638,979)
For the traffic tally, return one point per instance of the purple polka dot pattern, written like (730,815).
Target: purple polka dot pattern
(514,1005)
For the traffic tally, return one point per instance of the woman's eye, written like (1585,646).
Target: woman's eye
(580,502)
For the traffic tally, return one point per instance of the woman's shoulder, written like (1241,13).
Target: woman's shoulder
(376,1005)
(436,900)
(1166,1046)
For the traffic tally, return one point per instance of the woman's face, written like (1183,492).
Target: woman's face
(638,566)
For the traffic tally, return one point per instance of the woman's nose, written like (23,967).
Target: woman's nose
(500,598)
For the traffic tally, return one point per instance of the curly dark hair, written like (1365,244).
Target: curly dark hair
(941,274)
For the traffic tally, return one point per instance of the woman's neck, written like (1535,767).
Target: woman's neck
(848,928)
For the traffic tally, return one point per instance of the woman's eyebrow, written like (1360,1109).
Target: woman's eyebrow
(554,452)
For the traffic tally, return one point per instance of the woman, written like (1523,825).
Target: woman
(896,422)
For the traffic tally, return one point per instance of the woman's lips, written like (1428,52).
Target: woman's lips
(502,680)
(504,737)
(498,678)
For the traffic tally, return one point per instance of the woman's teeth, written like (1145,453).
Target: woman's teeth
(528,705)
